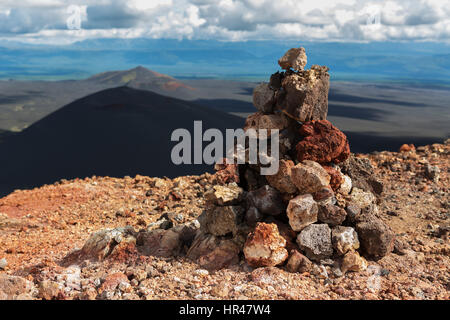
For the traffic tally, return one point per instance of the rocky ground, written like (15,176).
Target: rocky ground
(40,227)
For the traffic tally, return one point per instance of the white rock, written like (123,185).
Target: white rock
(302,211)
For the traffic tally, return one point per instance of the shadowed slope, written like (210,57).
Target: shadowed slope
(115,132)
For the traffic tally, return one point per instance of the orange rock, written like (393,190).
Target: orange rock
(336,179)
(265,246)
(226,173)
(407,147)
(323,143)
(112,281)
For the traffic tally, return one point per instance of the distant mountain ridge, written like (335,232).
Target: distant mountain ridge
(140,78)
(24,102)
(114,132)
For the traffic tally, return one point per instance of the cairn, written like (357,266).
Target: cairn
(321,205)
(320,208)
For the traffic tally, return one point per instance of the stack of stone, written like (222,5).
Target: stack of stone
(321,205)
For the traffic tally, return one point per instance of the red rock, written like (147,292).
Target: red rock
(265,246)
(226,173)
(336,179)
(112,281)
(407,147)
(322,143)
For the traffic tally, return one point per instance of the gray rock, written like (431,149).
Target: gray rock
(360,170)
(344,239)
(302,211)
(309,177)
(353,212)
(315,241)
(264,98)
(267,200)
(3,264)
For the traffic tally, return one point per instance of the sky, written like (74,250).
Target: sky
(60,22)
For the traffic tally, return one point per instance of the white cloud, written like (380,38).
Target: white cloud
(340,20)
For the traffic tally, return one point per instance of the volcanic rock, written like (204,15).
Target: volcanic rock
(252,216)
(298,262)
(213,253)
(267,200)
(49,290)
(253,180)
(377,239)
(264,98)
(112,281)
(346,185)
(13,287)
(282,179)
(362,198)
(302,211)
(265,246)
(294,58)
(432,172)
(352,261)
(315,241)
(269,122)
(305,94)
(331,214)
(3,264)
(322,143)
(335,177)
(309,177)
(102,244)
(324,195)
(344,239)
(220,221)
(224,195)
(407,147)
(226,173)
(353,212)
(360,171)
(275,80)
(159,242)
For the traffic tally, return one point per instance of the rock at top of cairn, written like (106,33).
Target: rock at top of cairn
(294,58)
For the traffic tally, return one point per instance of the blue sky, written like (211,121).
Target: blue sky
(58,21)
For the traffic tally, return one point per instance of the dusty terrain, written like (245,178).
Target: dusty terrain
(39,227)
